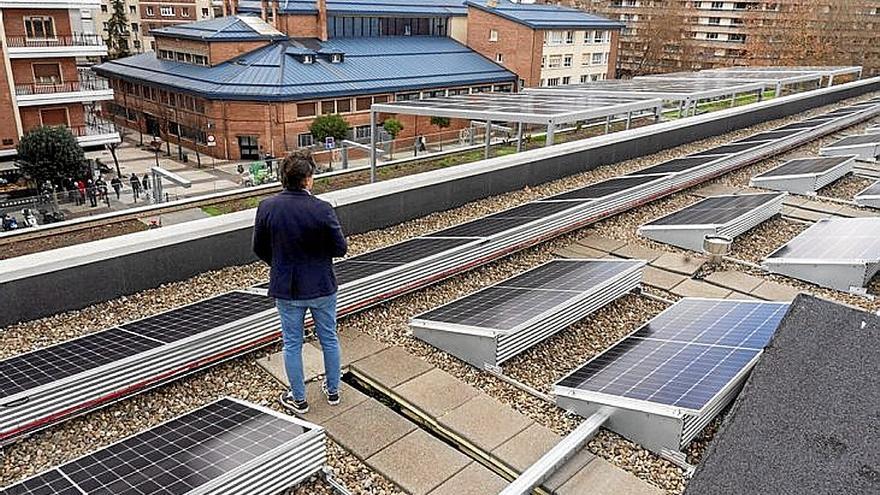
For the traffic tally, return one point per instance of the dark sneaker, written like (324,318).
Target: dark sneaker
(297,406)
(332,397)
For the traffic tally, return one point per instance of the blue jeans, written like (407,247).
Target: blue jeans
(293,314)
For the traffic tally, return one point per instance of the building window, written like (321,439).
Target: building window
(104,8)
(499,57)
(131,9)
(493,35)
(47,73)
(204,12)
(150,11)
(306,109)
(134,27)
(184,11)
(554,61)
(543,61)
(711,36)
(588,37)
(363,104)
(738,38)
(362,132)
(597,59)
(566,60)
(106,26)
(503,88)
(715,21)
(343,106)
(717,5)
(585,59)
(566,80)
(41,27)
(569,37)
(553,81)
(407,97)
(328,107)
(137,44)
(166,11)
(584,78)
(305,140)
(459,91)
(553,37)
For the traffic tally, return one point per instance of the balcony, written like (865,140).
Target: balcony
(75,45)
(88,87)
(95,132)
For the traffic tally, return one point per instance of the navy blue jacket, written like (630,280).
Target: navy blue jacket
(298,235)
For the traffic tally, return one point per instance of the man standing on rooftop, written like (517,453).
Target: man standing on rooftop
(298,235)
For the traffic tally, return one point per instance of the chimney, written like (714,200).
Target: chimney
(233,7)
(275,13)
(225,9)
(322,20)
(264,9)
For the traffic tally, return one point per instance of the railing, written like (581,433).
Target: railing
(94,127)
(75,39)
(85,83)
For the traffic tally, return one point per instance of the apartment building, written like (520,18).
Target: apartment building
(145,15)
(545,45)
(664,35)
(45,79)
(254,80)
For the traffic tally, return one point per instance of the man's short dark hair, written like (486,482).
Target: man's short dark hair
(296,168)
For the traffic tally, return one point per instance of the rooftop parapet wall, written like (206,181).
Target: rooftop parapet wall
(47,283)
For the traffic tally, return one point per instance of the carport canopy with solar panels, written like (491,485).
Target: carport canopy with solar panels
(519,108)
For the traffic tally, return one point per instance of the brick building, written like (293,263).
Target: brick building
(254,81)
(44,79)
(545,45)
(671,35)
(145,15)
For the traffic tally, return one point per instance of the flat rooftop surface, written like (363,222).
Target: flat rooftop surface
(806,421)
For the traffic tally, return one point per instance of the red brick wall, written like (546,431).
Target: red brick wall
(23,72)
(176,44)
(520,46)
(13,20)
(221,52)
(8,129)
(298,26)
(30,116)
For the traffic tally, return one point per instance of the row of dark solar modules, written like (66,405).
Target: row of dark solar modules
(49,385)
(229,446)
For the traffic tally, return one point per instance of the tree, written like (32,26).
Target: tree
(393,127)
(112,147)
(442,123)
(117,31)
(329,126)
(50,153)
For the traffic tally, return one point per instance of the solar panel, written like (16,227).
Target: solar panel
(768,136)
(716,210)
(869,197)
(207,447)
(498,322)
(728,149)
(675,165)
(27,371)
(604,188)
(204,315)
(802,166)
(533,210)
(872,190)
(857,140)
(483,227)
(806,124)
(411,250)
(684,358)
(835,239)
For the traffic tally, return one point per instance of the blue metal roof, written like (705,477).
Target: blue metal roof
(232,28)
(271,73)
(441,8)
(544,16)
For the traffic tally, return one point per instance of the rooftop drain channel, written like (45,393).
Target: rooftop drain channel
(388,398)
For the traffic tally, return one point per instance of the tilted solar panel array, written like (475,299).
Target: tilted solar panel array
(496,323)
(366,280)
(228,447)
(866,147)
(839,253)
(728,216)
(805,175)
(686,364)
(869,197)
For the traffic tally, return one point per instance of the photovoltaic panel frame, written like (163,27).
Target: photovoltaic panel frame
(869,197)
(805,175)
(866,147)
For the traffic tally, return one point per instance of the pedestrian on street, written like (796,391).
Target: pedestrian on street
(92,192)
(116,184)
(298,235)
(146,182)
(101,185)
(81,187)
(135,187)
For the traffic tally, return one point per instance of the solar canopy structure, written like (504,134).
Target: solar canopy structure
(492,325)
(805,175)
(865,147)
(667,380)
(779,79)
(683,93)
(869,197)
(227,447)
(728,216)
(519,108)
(839,253)
(49,385)
(830,72)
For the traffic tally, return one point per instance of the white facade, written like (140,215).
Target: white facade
(575,57)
